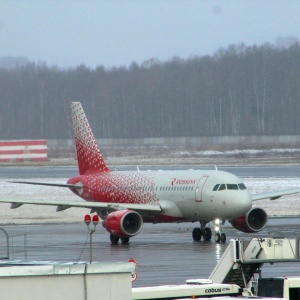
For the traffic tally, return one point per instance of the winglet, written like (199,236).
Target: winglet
(88,152)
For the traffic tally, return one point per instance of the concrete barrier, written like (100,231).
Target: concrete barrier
(109,281)
(21,150)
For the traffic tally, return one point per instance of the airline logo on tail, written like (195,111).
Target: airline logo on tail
(88,152)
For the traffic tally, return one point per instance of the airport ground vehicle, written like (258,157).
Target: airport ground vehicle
(234,275)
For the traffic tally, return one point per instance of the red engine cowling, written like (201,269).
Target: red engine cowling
(123,223)
(254,221)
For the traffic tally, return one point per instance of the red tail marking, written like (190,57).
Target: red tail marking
(88,152)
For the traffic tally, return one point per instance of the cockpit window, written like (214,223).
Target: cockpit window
(222,187)
(242,186)
(231,186)
(216,187)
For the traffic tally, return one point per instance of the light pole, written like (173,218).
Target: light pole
(87,220)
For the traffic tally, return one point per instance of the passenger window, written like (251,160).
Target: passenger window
(222,187)
(216,187)
(242,186)
(231,186)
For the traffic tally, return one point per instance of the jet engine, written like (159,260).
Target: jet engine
(254,221)
(123,223)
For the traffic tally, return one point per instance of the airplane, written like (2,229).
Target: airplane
(125,200)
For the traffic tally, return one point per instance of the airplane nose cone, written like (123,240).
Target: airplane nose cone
(243,202)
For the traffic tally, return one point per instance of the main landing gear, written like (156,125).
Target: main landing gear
(206,233)
(115,240)
(198,233)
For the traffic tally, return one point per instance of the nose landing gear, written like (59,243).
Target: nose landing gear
(219,235)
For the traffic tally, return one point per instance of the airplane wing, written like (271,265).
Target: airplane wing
(274,195)
(84,204)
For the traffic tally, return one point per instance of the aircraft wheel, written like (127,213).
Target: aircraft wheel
(125,240)
(223,237)
(114,239)
(207,234)
(197,234)
(217,237)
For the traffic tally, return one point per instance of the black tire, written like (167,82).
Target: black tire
(207,234)
(217,237)
(197,234)
(114,239)
(223,237)
(125,240)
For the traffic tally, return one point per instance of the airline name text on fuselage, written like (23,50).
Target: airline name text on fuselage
(182,181)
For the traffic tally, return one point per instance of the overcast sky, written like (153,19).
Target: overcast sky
(67,33)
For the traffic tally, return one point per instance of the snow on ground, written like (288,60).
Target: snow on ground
(37,213)
(287,205)
(238,152)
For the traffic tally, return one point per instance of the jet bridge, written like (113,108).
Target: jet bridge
(241,260)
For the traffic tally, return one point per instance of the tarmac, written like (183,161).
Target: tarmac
(165,253)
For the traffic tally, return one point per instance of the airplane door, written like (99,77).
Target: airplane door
(199,188)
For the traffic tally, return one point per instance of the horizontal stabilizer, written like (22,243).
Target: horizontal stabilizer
(65,185)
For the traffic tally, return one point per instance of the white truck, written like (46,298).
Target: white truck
(280,287)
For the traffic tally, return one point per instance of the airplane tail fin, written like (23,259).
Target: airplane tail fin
(88,152)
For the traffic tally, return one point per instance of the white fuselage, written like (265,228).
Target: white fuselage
(191,194)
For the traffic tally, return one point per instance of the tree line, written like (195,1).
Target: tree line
(240,90)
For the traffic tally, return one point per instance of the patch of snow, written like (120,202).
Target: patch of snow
(286,205)
(38,213)
(236,152)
